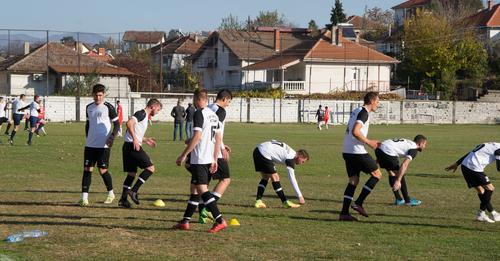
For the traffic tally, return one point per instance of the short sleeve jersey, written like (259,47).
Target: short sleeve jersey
(3,106)
(206,122)
(34,107)
(99,117)
(16,105)
(351,144)
(400,148)
(221,114)
(482,156)
(278,152)
(141,119)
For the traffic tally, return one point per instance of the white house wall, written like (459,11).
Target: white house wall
(116,86)
(494,34)
(24,84)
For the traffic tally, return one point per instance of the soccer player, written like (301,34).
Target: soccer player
(320,115)
(34,109)
(17,115)
(264,157)
(100,114)
(388,158)
(119,110)
(41,121)
(3,113)
(327,116)
(357,158)
(204,149)
(133,154)
(473,164)
(222,101)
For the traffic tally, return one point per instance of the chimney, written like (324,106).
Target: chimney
(277,40)
(196,38)
(336,35)
(26,48)
(102,51)
(357,37)
(490,4)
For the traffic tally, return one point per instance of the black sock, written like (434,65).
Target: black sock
(404,190)
(279,190)
(487,198)
(367,188)
(8,128)
(142,179)
(86,180)
(348,194)
(261,188)
(30,136)
(106,177)
(12,134)
(191,207)
(392,180)
(126,185)
(211,205)
(482,205)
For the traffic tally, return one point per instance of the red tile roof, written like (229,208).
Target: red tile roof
(485,18)
(180,45)
(359,22)
(411,4)
(143,36)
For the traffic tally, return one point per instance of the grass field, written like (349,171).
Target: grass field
(40,186)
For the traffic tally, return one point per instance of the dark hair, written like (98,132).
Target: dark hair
(200,94)
(118,101)
(36,96)
(224,93)
(419,138)
(98,88)
(369,97)
(153,101)
(22,96)
(303,154)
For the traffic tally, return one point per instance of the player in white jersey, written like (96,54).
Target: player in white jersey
(17,115)
(265,155)
(222,101)
(473,165)
(357,158)
(3,113)
(99,139)
(205,147)
(134,156)
(388,155)
(34,109)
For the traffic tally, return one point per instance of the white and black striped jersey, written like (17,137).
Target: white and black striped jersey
(221,113)
(400,148)
(140,127)
(206,122)
(99,118)
(351,144)
(278,152)
(3,107)
(34,108)
(481,156)
(16,105)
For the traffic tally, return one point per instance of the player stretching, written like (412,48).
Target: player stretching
(387,157)
(133,154)
(473,164)
(222,101)
(357,158)
(100,115)
(17,116)
(34,109)
(264,157)
(205,149)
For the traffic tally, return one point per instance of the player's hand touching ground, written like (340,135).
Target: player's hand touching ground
(453,167)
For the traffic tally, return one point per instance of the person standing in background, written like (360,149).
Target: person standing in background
(189,120)
(327,116)
(119,110)
(178,112)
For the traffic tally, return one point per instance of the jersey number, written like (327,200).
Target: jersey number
(275,142)
(398,140)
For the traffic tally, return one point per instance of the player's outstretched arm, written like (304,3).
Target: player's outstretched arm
(295,184)
(400,174)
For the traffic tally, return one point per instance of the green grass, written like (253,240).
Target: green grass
(40,185)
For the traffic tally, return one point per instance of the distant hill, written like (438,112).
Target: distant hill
(89,38)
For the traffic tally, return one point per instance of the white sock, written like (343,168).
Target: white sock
(111,193)
(85,195)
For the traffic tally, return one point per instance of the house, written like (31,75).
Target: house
(293,60)
(486,22)
(362,25)
(408,9)
(174,51)
(143,40)
(27,74)
(101,54)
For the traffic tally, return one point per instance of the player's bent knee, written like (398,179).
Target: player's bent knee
(151,168)
(377,174)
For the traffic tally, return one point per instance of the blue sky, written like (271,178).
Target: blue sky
(189,15)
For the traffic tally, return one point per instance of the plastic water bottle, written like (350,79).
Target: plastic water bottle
(20,236)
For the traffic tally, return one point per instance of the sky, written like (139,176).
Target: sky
(112,16)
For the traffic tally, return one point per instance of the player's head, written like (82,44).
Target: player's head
(98,91)
(178,102)
(301,157)
(155,106)
(22,97)
(320,106)
(326,107)
(224,98)
(371,100)
(421,141)
(37,98)
(200,98)
(117,102)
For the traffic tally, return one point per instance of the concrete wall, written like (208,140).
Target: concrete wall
(59,109)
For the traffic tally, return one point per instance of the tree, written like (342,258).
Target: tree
(145,70)
(80,85)
(377,23)
(231,23)
(108,44)
(271,18)
(68,39)
(472,58)
(313,27)
(455,10)
(337,14)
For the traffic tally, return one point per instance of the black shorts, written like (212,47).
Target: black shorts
(33,121)
(91,156)
(355,163)
(222,169)
(17,118)
(388,162)
(200,174)
(133,159)
(473,178)
(3,119)
(262,164)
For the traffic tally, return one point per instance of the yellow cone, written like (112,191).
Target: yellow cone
(159,203)
(234,222)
